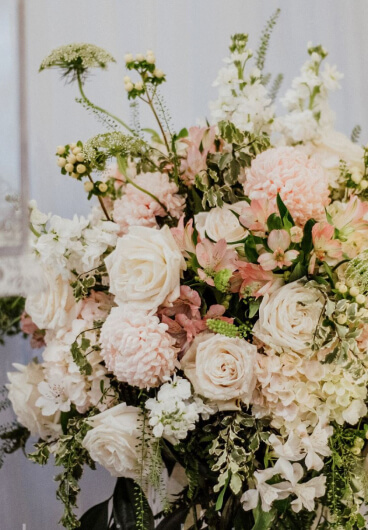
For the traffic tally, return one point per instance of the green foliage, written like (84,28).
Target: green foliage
(102,147)
(13,436)
(219,183)
(261,52)
(347,483)
(227,329)
(72,456)
(275,87)
(89,281)
(232,451)
(11,309)
(355,134)
(79,354)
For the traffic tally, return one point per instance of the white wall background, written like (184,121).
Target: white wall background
(190,38)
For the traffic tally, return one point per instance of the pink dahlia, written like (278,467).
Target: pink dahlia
(136,347)
(300,181)
(137,208)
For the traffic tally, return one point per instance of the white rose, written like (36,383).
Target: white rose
(53,306)
(23,394)
(221,369)
(221,223)
(113,440)
(288,318)
(145,268)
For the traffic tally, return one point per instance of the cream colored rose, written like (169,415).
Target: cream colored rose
(145,268)
(221,369)
(113,440)
(221,223)
(288,318)
(53,306)
(23,394)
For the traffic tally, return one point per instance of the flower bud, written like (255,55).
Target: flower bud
(128,58)
(72,159)
(61,162)
(88,186)
(77,150)
(81,168)
(69,168)
(139,57)
(102,187)
(341,287)
(360,299)
(364,184)
(356,175)
(74,175)
(127,79)
(72,145)
(341,319)
(129,87)
(80,157)
(138,86)
(60,149)
(296,234)
(354,291)
(158,73)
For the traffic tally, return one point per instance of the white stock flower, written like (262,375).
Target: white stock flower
(113,440)
(145,268)
(221,369)
(175,411)
(53,306)
(288,318)
(221,223)
(23,394)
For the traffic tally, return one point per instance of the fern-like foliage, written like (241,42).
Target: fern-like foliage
(275,87)
(163,112)
(105,120)
(135,118)
(355,134)
(260,56)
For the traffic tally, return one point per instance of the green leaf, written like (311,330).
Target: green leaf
(220,498)
(298,272)
(250,249)
(284,212)
(175,519)
(253,307)
(307,242)
(263,520)
(124,510)
(274,222)
(96,518)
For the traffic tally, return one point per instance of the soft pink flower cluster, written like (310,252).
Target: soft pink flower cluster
(138,208)
(300,181)
(136,347)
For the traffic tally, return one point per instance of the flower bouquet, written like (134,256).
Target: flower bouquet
(205,328)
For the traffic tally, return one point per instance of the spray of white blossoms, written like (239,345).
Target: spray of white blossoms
(175,410)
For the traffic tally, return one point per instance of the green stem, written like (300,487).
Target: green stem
(100,200)
(100,109)
(150,103)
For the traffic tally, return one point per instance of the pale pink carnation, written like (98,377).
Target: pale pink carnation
(136,347)
(300,181)
(137,208)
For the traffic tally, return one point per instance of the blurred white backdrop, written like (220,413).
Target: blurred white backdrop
(190,39)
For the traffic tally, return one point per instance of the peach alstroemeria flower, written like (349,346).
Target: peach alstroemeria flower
(325,247)
(183,236)
(213,258)
(278,241)
(200,142)
(254,215)
(254,281)
(350,217)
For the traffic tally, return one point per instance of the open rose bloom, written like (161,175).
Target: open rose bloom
(204,331)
